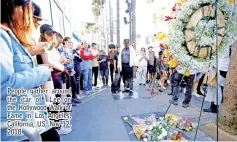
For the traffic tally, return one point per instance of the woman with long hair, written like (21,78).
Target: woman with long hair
(19,71)
(69,66)
(48,35)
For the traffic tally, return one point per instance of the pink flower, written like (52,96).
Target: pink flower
(174,8)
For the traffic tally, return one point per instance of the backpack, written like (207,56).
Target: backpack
(116,83)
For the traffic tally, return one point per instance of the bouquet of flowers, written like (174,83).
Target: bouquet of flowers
(186,125)
(156,132)
(179,122)
(176,135)
(172,120)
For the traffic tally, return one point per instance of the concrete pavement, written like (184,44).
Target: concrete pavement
(98,118)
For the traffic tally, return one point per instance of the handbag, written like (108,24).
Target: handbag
(55,73)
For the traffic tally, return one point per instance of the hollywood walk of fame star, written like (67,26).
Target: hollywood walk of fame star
(144,122)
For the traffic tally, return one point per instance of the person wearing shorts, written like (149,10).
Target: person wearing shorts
(151,63)
(164,67)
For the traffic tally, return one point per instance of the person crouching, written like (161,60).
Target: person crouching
(104,68)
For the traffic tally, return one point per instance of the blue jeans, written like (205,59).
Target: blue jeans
(105,76)
(77,68)
(87,80)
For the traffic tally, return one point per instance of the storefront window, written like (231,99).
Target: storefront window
(67,27)
(57,18)
(45,10)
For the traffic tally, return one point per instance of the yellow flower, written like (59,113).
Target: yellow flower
(187,73)
(160,36)
(231,1)
(173,63)
(179,3)
(167,52)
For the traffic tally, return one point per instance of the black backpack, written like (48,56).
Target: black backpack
(116,83)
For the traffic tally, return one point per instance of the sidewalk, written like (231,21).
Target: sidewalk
(98,118)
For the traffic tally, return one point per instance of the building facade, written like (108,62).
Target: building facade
(58,14)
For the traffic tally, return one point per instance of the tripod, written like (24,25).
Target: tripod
(155,75)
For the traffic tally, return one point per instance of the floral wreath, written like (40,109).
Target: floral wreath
(188,31)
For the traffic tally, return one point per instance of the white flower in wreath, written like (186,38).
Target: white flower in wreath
(175,38)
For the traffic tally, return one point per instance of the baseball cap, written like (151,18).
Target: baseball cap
(48,29)
(37,12)
(126,41)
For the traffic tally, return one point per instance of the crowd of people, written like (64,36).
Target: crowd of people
(54,62)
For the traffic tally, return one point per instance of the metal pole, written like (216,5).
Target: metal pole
(130,22)
(106,27)
(217,117)
(134,23)
(118,23)
(111,22)
(103,29)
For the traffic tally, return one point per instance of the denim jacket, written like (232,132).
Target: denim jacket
(69,56)
(19,71)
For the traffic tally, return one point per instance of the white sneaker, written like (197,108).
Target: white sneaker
(79,97)
(168,82)
(162,86)
(64,131)
(195,94)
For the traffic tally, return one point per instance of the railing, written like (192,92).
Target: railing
(31,133)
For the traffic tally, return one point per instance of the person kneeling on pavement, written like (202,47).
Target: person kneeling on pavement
(184,78)
(104,68)
(126,61)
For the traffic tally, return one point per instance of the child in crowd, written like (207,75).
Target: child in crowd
(104,67)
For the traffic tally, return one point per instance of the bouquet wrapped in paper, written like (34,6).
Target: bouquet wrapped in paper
(176,136)
(172,120)
(186,125)
(156,132)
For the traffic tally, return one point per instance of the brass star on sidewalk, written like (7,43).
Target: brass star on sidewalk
(144,122)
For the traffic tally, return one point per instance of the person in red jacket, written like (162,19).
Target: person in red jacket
(86,67)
